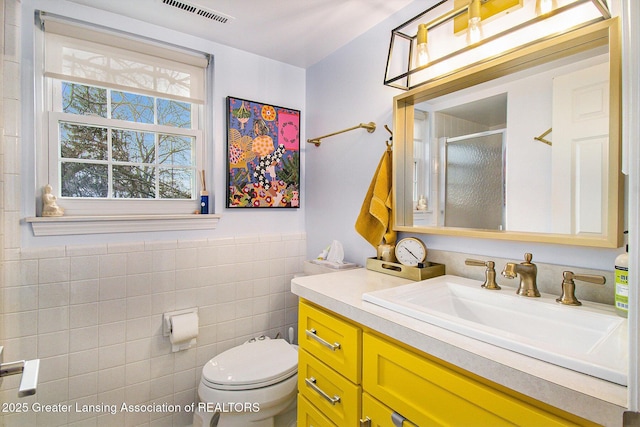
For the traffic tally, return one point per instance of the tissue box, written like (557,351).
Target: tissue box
(431,269)
(317,266)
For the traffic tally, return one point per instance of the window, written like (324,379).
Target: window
(122,126)
(120,145)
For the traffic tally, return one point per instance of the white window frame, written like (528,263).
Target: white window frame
(421,159)
(95,216)
(113,206)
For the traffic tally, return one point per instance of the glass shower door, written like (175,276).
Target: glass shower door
(474,184)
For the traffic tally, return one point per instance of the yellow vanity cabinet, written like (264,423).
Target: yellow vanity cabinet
(375,414)
(310,416)
(335,396)
(425,392)
(349,375)
(333,340)
(329,369)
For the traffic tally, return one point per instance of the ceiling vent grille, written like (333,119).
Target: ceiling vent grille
(197,10)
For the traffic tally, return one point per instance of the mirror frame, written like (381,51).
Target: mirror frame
(544,50)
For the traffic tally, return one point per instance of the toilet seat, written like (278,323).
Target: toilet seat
(252,365)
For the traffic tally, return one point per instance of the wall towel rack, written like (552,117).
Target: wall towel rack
(542,138)
(370,127)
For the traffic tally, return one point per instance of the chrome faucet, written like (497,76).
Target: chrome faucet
(527,272)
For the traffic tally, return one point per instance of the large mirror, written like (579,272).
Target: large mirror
(522,147)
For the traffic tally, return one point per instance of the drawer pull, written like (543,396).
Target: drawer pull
(398,420)
(311,382)
(312,333)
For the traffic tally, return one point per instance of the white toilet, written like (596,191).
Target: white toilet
(251,385)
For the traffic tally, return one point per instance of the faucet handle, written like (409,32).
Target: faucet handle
(489,274)
(475,262)
(568,296)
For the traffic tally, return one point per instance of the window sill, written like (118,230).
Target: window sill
(98,224)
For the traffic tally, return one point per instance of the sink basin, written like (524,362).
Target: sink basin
(590,338)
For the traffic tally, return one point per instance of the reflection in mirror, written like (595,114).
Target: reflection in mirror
(473,180)
(531,153)
(495,175)
(468,142)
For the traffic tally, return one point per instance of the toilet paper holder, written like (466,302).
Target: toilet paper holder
(166,319)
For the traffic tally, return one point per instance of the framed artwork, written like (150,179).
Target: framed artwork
(263,155)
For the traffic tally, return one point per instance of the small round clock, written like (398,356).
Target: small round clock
(411,251)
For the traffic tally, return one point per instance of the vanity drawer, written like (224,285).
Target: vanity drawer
(334,341)
(429,393)
(375,414)
(309,416)
(332,394)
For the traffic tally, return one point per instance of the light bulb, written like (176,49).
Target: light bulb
(545,6)
(474,28)
(423,47)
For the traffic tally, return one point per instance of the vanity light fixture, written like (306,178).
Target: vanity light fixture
(545,6)
(462,33)
(423,47)
(474,29)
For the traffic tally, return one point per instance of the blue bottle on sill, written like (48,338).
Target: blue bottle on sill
(204,202)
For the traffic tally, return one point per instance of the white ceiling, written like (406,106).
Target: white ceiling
(297,32)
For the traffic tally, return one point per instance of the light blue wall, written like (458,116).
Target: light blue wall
(237,73)
(345,89)
(341,91)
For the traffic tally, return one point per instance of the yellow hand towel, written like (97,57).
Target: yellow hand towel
(375,219)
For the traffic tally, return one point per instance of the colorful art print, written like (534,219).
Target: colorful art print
(263,155)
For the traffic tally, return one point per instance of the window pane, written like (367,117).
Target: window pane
(174,113)
(131,107)
(176,183)
(83,142)
(132,146)
(85,100)
(84,180)
(134,182)
(175,149)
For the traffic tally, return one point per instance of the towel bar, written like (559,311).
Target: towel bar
(370,127)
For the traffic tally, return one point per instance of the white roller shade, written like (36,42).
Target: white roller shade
(102,59)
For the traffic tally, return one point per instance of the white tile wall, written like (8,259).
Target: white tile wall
(93,315)
(18,300)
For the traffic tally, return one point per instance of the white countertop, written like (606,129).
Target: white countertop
(589,397)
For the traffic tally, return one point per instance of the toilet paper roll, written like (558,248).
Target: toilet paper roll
(184,330)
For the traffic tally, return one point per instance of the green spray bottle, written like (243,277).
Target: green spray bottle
(621,283)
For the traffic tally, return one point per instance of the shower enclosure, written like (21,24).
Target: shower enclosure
(473,188)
